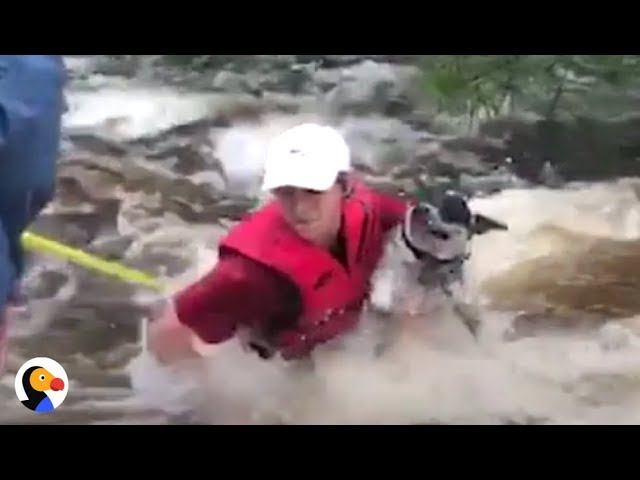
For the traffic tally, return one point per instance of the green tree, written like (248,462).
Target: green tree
(494,84)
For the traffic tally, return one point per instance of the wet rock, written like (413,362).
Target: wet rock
(244,63)
(200,62)
(389,185)
(491,183)
(136,220)
(87,178)
(185,159)
(286,104)
(94,326)
(117,65)
(490,151)
(463,159)
(94,143)
(379,144)
(550,177)
(45,284)
(242,73)
(101,289)
(171,191)
(160,260)
(111,247)
(78,228)
(421,120)
(390,150)
(331,61)
(78,183)
(211,181)
(193,199)
(579,149)
(451,164)
(99,316)
(334,61)
(370,87)
(226,81)
(197,131)
(295,80)
(261,63)
(327,79)
(233,208)
(80,66)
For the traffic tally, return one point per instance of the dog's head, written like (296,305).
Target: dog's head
(439,235)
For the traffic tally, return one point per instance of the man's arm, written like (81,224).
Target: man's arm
(237,292)
(392,209)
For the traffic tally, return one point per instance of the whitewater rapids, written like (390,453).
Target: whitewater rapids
(556,376)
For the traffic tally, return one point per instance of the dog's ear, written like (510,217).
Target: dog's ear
(482,224)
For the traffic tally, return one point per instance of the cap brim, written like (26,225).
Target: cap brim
(304,180)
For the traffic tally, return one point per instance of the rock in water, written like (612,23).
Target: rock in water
(369,88)
(579,149)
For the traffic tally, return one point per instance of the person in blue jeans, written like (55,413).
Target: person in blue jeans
(32,104)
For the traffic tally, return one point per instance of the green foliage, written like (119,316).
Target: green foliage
(470,84)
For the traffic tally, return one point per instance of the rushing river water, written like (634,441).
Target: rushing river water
(571,260)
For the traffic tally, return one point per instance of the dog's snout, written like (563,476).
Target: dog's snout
(439,234)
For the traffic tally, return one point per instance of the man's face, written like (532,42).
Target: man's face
(314,215)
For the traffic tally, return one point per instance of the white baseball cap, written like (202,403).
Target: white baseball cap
(306,156)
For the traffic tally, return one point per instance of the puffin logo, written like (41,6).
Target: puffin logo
(41,384)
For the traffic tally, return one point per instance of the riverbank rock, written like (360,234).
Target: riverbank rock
(582,149)
(371,88)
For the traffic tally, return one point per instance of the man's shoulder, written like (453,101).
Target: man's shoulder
(383,201)
(376,192)
(243,271)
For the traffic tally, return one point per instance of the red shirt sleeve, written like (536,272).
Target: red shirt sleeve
(392,209)
(236,292)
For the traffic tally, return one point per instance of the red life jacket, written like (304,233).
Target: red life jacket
(332,296)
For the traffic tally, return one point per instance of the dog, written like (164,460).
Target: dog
(422,269)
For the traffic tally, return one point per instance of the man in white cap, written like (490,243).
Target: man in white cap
(296,273)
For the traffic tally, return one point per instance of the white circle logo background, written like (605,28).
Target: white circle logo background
(54,368)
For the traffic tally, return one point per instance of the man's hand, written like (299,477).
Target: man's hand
(169,340)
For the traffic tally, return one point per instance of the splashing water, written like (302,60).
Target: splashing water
(569,377)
